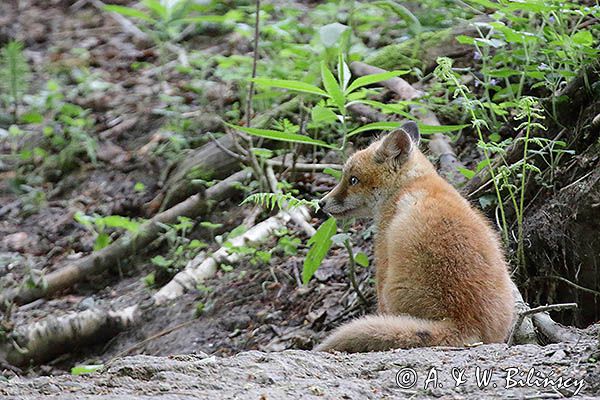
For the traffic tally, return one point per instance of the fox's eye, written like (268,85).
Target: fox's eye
(353,180)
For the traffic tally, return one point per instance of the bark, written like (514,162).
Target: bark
(40,341)
(206,163)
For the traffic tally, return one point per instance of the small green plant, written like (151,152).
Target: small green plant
(337,95)
(279,200)
(181,249)
(343,239)
(288,245)
(66,130)
(99,225)
(166,20)
(14,75)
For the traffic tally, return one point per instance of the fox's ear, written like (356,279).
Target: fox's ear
(412,129)
(398,144)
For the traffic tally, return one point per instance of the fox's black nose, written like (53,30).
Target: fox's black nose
(321,214)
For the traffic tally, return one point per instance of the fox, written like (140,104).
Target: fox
(440,271)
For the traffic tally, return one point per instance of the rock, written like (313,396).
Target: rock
(16,241)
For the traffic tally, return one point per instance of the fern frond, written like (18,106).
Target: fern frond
(270,200)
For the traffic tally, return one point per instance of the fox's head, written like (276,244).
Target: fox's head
(372,174)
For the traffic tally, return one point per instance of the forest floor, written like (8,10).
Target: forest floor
(253,307)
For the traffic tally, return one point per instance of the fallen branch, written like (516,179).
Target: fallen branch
(204,266)
(41,340)
(207,162)
(125,246)
(214,160)
(523,331)
(531,311)
(552,331)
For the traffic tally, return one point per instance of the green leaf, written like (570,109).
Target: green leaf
(102,241)
(335,173)
(344,73)
(197,244)
(262,153)
(156,6)
(160,261)
(297,86)
(85,369)
(374,126)
(430,129)
(128,12)
(323,114)
(423,129)
(584,38)
(330,34)
(226,267)
(374,78)
(482,164)
(319,244)
(32,118)
(237,231)
(209,225)
(150,279)
(463,39)
(282,136)
(466,172)
(117,221)
(333,88)
(361,259)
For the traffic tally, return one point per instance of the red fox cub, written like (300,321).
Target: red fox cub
(441,276)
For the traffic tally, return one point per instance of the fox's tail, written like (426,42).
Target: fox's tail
(385,332)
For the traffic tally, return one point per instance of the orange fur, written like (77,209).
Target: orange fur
(441,274)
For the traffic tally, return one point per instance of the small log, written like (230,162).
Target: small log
(41,340)
(208,162)
(213,160)
(127,245)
